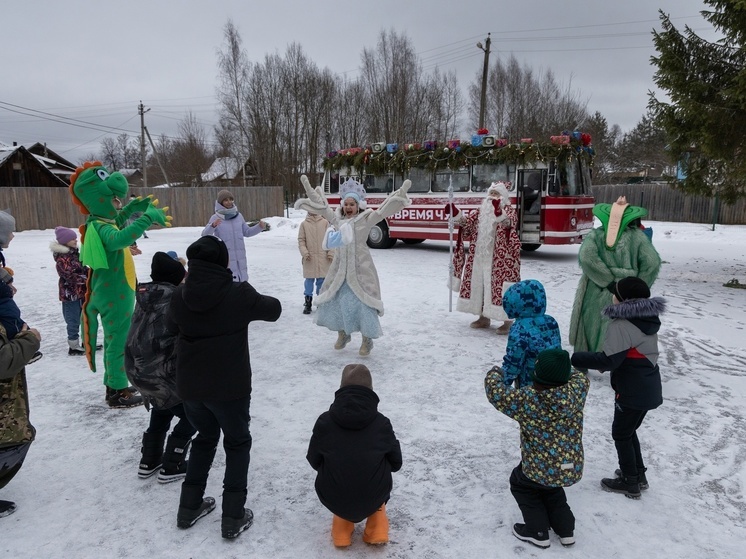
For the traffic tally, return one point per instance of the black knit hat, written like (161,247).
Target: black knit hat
(166,269)
(356,374)
(210,249)
(552,367)
(631,288)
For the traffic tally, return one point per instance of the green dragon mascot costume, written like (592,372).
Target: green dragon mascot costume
(110,294)
(617,249)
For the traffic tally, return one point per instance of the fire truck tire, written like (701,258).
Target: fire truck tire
(379,236)
(529,247)
(412,241)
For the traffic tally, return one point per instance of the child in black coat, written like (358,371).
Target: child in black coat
(630,352)
(355,443)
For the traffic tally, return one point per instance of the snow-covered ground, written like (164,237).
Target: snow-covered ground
(79,496)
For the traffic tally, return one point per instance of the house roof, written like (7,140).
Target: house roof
(222,168)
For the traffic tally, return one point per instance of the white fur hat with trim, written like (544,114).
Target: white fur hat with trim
(499,190)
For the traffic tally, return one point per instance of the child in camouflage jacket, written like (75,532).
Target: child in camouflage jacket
(550,414)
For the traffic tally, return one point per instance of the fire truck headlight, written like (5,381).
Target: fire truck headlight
(573,222)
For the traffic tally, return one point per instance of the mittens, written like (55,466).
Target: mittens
(498,208)
(450,209)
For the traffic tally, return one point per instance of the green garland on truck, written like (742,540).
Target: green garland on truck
(434,156)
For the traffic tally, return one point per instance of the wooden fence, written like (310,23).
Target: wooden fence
(666,204)
(46,207)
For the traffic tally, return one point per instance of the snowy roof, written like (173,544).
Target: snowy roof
(222,168)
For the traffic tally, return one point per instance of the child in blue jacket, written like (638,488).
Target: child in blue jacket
(532,331)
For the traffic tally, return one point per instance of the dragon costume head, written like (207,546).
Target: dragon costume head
(94,189)
(616,217)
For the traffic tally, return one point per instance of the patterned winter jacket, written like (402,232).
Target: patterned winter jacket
(551,426)
(73,275)
(15,425)
(532,332)
(150,353)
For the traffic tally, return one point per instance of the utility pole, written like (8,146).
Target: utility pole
(141,110)
(483,97)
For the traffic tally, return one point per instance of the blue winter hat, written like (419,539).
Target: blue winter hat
(173,254)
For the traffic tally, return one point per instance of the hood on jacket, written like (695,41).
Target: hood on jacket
(152,295)
(562,401)
(206,285)
(643,313)
(57,248)
(354,407)
(525,299)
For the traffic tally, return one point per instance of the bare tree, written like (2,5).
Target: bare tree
(233,96)
(521,103)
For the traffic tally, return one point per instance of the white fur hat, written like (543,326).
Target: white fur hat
(499,190)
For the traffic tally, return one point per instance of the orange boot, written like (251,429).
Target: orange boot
(377,527)
(342,531)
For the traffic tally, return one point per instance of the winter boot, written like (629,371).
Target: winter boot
(124,398)
(366,346)
(377,528)
(342,531)
(481,322)
(75,347)
(504,328)
(539,539)
(7,508)
(641,477)
(174,459)
(629,486)
(307,305)
(152,452)
(342,340)
(236,518)
(193,506)
(35,357)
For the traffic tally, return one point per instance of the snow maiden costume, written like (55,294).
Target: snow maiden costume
(617,249)
(493,258)
(111,279)
(350,299)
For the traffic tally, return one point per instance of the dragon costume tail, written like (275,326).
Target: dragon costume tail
(90,327)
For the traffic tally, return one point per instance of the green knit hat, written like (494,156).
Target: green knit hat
(552,367)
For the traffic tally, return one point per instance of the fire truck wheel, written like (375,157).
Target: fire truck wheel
(378,237)
(528,247)
(412,241)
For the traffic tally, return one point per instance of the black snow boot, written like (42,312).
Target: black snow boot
(193,506)
(174,459)
(307,305)
(152,454)
(629,486)
(236,518)
(7,508)
(641,477)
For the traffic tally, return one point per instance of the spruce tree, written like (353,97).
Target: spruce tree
(705,115)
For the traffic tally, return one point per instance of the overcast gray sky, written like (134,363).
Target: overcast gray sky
(93,61)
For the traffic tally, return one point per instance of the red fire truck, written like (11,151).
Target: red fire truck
(549,186)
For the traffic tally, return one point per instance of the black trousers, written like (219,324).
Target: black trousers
(210,418)
(624,432)
(160,422)
(11,460)
(542,507)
